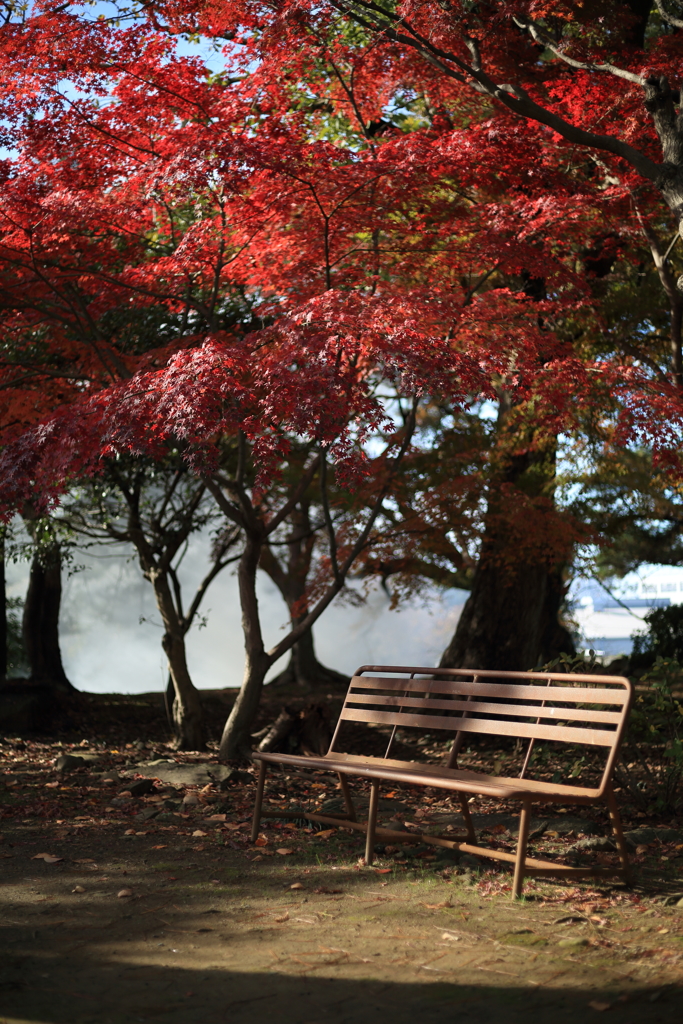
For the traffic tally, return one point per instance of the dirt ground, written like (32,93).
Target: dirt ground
(118,908)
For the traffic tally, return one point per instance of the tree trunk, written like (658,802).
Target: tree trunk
(40,625)
(187,715)
(509,621)
(304,669)
(186,712)
(236,738)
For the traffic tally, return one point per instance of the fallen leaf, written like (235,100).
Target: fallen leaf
(261,841)
(284,851)
(438,906)
(78,888)
(124,892)
(47,858)
(451,937)
(282,917)
(595,1004)
(129,832)
(325,834)
(84,860)
(641,849)
(296,885)
(198,832)
(307,920)
(162,846)
(51,785)
(40,856)
(207,788)
(383,871)
(233,827)
(217,817)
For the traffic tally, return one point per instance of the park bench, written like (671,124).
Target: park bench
(582,711)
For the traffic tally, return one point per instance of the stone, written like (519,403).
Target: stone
(147,814)
(141,787)
(67,762)
(643,836)
(468,861)
(234,777)
(190,800)
(107,778)
(587,845)
(121,801)
(185,774)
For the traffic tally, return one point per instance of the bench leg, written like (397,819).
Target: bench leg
(372,822)
(615,821)
(346,792)
(465,808)
(259,800)
(524,823)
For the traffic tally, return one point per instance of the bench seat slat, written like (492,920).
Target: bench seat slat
(412,772)
(561,734)
(479,707)
(572,695)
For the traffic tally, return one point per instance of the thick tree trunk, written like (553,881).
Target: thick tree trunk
(187,715)
(509,621)
(305,670)
(41,620)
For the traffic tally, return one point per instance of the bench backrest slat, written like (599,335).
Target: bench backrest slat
(489,726)
(477,707)
(573,694)
(562,708)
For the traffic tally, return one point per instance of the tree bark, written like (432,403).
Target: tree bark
(40,624)
(186,713)
(510,621)
(235,741)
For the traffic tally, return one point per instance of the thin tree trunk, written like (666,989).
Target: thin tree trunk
(40,624)
(187,715)
(186,712)
(236,738)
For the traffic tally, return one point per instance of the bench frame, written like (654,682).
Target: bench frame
(471,693)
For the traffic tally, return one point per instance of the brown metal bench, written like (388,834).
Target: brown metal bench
(582,710)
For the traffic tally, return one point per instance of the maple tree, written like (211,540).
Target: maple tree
(390,191)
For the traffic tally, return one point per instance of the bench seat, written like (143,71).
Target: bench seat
(457,780)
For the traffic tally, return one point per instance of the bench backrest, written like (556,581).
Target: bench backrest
(571,709)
